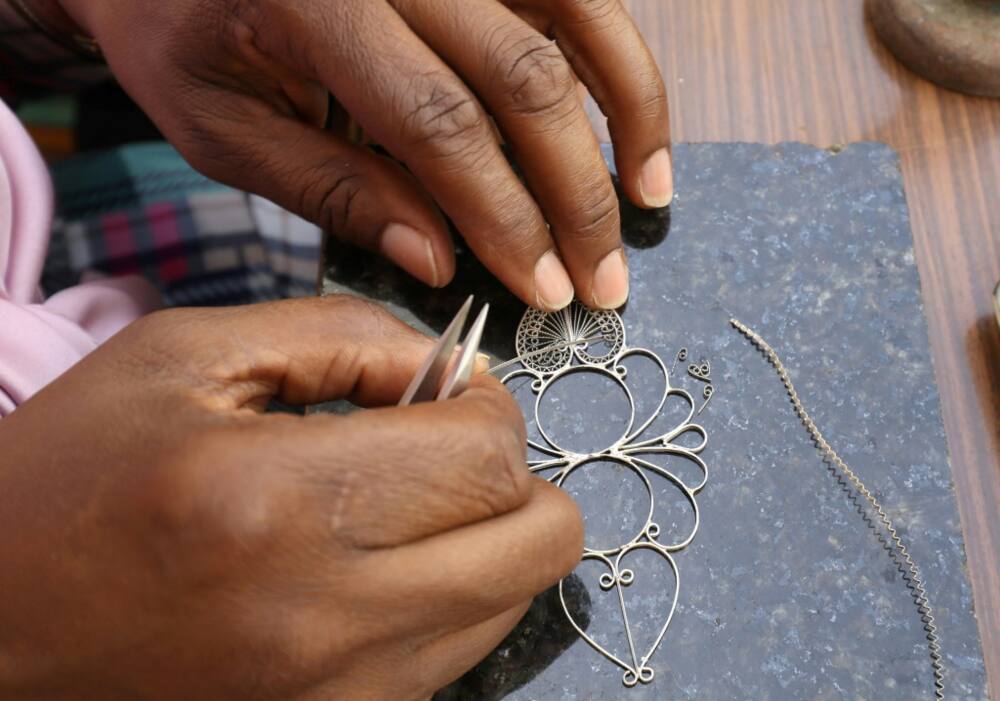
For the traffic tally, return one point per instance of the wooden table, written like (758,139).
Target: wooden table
(813,71)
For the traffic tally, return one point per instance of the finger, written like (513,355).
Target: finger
(430,467)
(470,574)
(306,99)
(301,351)
(538,18)
(447,658)
(608,53)
(530,90)
(356,195)
(415,106)
(417,671)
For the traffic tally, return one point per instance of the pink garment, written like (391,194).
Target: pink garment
(40,339)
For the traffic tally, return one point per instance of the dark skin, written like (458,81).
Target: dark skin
(164,538)
(239,86)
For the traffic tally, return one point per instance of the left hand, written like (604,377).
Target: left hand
(240,88)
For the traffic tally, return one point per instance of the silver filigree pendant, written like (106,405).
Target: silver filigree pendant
(577,340)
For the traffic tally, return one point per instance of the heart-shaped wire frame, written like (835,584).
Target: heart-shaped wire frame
(571,333)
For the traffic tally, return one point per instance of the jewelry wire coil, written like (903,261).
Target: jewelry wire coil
(911,572)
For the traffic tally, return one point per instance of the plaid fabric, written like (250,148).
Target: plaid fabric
(32,62)
(142,209)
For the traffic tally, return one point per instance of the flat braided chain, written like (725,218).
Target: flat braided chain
(911,572)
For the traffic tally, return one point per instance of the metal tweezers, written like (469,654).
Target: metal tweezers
(428,385)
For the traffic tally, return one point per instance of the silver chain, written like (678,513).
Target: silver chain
(910,571)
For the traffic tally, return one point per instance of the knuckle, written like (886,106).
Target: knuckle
(597,218)
(164,343)
(356,315)
(516,229)
(565,523)
(206,146)
(537,77)
(204,519)
(190,349)
(504,440)
(233,19)
(591,11)
(333,202)
(208,129)
(516,235)
(444,118)
(652,103)
(499,407)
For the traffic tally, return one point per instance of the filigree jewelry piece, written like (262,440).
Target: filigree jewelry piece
(579,340)
(905,562)
(701,371)
(706,393)
(681,356)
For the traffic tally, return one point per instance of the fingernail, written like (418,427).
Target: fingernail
(411,251)
(482,363)
(610,286)
(553,289)
(656,180)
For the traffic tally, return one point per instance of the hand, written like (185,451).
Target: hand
(164,539)
(240,87)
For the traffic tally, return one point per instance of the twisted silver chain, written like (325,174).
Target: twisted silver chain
(909,568)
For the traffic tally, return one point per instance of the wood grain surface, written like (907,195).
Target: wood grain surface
(788,70)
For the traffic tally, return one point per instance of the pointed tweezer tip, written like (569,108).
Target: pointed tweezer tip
(458,378)
(426,381)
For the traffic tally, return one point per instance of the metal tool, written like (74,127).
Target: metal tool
(431,383)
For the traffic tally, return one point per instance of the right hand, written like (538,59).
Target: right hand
(165,539)
(240,88)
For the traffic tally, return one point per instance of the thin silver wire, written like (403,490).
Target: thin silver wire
(911,572)
(541,351)
(681,356)
(553,345)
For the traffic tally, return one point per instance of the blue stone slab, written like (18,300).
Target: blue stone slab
(786,592)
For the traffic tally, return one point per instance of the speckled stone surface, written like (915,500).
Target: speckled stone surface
(785,593)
